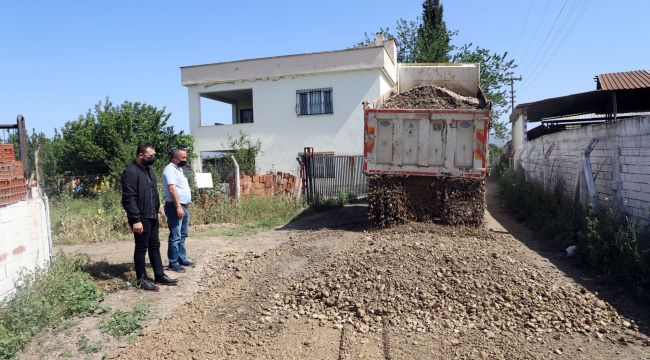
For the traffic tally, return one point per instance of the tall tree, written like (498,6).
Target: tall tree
(427,40)
(432,41)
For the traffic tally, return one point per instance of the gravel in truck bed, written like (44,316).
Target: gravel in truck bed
(431,97)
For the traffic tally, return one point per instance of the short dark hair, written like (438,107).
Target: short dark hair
(143,147)
(175,150)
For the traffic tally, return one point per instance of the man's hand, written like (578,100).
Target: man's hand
(137,228)
(180,212)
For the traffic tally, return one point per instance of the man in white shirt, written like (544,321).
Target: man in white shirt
(178,197)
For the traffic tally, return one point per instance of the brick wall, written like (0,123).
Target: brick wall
(620,163)
(277,183)
(24,240)
(13,187)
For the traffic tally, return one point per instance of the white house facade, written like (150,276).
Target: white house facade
(290,102)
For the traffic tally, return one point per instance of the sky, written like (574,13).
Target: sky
(58,59)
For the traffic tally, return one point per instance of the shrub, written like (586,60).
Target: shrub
(44,297)
(615,248)
(123,322)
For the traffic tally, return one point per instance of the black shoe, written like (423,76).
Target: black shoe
(188,262)
(146,284)
(166,280)
(177,268)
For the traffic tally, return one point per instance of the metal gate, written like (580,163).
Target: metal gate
(326,176)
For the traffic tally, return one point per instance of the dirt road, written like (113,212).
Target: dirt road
(330,287)
(338,290)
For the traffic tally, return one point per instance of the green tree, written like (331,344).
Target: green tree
(245,150)
(496,69)
(432,40)
(101,143)
(427,38)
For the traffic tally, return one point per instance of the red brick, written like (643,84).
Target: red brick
(246,178)
(19,250)
(256,179)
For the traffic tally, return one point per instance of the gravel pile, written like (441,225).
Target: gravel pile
(438,282)
(394,200)
(464,201)
(431,97)
(387,200)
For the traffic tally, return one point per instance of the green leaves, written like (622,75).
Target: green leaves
(427,40)
(496,70)
(102,143)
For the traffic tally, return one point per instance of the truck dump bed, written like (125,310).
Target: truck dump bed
(429,130)
(425,147)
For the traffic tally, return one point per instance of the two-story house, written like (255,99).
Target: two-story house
(290,102)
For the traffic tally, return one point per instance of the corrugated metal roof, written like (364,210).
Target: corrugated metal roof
(638,79)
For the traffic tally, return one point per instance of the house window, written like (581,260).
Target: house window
(314,102)
(246,116)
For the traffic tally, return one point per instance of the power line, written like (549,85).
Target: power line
(548,34)
(523,26)
(552,53)
(536,29)
(536,65)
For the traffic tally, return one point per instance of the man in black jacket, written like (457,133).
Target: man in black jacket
(141,202)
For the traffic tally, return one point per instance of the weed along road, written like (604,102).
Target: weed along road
(333,288)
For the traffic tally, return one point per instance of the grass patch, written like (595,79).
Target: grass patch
(253,211)
(86,346)
(615,248)
(123,323)
(88,219)
(43,298)
(102,219)
(341,199)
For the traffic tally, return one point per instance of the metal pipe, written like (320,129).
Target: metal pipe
(49,228)
(591,185)
(22,138)
(237,191)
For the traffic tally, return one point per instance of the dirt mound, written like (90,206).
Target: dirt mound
(393,200)
(446,279)
(431,97)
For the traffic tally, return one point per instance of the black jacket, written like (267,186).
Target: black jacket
(140,197)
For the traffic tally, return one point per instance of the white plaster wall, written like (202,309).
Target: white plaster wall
(620,164)
(23,241)
(283,133)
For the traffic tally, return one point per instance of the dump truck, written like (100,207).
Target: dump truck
(426,146)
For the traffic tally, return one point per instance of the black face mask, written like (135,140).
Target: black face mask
(182,163)
(150,160)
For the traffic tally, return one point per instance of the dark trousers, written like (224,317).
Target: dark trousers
(148,240)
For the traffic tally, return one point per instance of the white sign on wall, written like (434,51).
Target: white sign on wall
(204,180)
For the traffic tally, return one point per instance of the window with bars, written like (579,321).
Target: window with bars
(314,102)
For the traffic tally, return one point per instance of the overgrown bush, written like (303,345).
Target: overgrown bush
(548,213)
(617,249)
(43,298)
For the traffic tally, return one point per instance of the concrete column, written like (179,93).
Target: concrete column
(194,104)
(518,135)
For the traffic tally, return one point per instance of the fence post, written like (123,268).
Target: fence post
(237,191)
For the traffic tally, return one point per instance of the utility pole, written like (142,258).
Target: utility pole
(512,91)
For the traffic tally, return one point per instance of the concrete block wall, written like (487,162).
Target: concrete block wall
(24,243)
(620,162)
